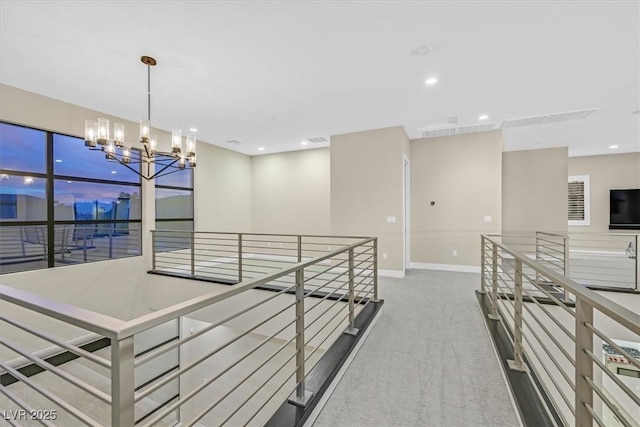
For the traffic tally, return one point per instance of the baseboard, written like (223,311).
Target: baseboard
(445,267)
(398,274)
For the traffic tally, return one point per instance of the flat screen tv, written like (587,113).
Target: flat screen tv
(624,209)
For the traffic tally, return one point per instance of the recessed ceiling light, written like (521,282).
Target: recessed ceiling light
(193,129)
(614,146)
(304,143)
(483,117)
(114,172)
(260,148)
(431,81)
(68,182)
(58,161)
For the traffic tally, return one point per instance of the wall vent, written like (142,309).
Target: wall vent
(548,118)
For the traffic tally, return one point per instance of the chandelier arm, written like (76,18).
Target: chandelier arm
(163,169)
(175,169)
(114,157)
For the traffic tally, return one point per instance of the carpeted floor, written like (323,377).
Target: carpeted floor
(427,362)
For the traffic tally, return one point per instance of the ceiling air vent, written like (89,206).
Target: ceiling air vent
(233,141)
(548,118)
(318,139)
(438,131)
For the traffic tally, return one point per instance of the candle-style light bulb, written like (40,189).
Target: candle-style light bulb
(118,134)
(145,130)
(90,133)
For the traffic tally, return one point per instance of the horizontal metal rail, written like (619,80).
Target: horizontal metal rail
(564,364)
(339,269)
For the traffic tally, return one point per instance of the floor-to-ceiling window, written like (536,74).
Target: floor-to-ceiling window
(174,201)
(62,203)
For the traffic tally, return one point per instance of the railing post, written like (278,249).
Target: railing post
(517,364)
(239,257)
(193,254)
(494,283)
(122,383)
(566,266)
(584,364)
(538,257)
(300,396)
(299,248)
(375,270)
(637,262)
(482,264)
(153,250)
(351,330)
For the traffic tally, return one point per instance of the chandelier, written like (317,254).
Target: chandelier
(96,137)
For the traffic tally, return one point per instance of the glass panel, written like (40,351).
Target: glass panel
(80,243)
(183,179)
(22,198)
(174,203)
(72,158)
(22,248)
(22,149)
(87,201)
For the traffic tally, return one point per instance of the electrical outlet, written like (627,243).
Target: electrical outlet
(454,252)
(384,256)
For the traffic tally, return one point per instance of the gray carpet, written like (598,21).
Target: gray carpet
(427,362)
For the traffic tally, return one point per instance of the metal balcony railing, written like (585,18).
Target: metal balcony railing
(239,352)
(564,333)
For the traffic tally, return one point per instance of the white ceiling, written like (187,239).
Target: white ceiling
(273,74)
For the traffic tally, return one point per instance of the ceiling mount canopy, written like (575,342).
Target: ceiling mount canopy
(96,137)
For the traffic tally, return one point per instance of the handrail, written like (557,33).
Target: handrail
(95,322)
(328,236)
(621,314)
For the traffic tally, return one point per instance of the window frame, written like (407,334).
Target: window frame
(585,179)
(50,179)
(180,188)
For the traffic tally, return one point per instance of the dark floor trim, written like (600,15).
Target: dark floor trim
(219,280)
(157,377)
(533,410)
(320,377)
(541,300)
(157,408)
(613,289)
(58,359)
(150,349)
(316,294)
(266,287)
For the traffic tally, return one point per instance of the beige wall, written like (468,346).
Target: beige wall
(367,187)
(462,175)
(607,172)
(534,190)
(291,192)
(223,190)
